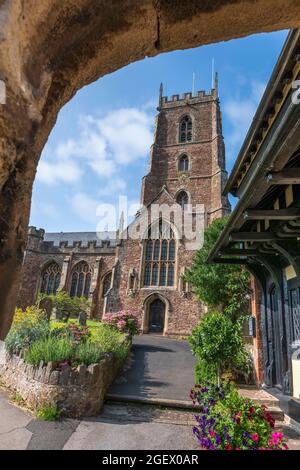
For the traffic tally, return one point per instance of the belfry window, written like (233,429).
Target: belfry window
(81,280)
(186,130)
(183,163)
(182,199)
(160,254)
(50,279)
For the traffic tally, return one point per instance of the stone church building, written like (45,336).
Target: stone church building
(144,273)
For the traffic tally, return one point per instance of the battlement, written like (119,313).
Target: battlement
(81,242)
(182,100)
(34,232)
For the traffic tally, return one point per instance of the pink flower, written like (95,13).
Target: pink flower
(255,437)
(121,324)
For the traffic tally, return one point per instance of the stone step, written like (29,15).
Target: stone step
(262,397)
(259,396)
(141,413)
(277,413)
(256,395)
(166,402)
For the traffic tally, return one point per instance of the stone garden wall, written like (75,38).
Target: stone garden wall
(76,392)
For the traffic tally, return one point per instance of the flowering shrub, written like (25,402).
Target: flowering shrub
(72,331)
(29,317)
(28,326)
(126,322)
(231,422)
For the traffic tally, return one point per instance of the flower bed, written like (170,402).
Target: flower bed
(62,365)
(231,422)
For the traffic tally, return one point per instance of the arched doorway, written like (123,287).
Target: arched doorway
(157,316)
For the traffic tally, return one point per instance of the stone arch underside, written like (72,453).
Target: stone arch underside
(50,49)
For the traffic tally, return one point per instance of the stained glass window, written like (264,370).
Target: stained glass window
(106,284)
(50,279)
(160,254)
(81,280)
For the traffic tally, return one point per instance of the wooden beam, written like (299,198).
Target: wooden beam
(252,237)
(286,176)
(230,261)
(239,252)
(276,214)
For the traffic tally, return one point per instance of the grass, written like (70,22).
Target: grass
(17,398)
(110,340)
(49,350)
(48,413)
(103,339)
(87,353)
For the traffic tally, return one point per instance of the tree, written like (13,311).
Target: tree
(217,342)
(68,306)
(220,286)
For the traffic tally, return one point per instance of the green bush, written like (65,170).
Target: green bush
(218,344)
(28,327)
(86,353)
(61,350)
(48,413)
(67,306)
(110,340)
(220,286)
(49,350)
(204,372)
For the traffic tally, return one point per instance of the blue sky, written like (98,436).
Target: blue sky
(99,148)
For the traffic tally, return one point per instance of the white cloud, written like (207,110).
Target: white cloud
(101,146)
(240,112)
(101,215)
(58,172)
(85,207)
(114,186)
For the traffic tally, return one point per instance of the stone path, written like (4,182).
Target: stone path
(161,368)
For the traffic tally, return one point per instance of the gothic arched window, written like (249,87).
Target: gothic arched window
(160,254)
(81,280)
(106,284)
(186,130)
(183,163)
(182,199)
(50,279)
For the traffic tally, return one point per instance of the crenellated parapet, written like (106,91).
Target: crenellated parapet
(67,242)
(187,98)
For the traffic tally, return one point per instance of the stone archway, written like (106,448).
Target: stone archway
(50,49)
(155,305)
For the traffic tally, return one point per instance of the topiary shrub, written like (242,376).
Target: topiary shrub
(218,344)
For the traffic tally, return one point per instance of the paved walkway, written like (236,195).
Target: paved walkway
(160,368)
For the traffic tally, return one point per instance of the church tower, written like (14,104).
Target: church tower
(187,167)
(188,154)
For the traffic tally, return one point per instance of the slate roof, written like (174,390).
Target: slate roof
(83,237)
